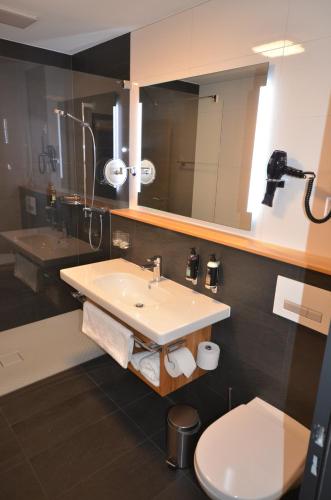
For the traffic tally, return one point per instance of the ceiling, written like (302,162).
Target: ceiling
(69,26)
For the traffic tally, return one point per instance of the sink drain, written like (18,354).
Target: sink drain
(139,304)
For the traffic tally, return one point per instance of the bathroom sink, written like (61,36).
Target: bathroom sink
(132,290)
(45,245)
(44,241)
(163,312)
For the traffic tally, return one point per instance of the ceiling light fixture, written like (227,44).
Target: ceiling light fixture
(279,48)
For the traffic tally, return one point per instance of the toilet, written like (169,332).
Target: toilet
(254,452)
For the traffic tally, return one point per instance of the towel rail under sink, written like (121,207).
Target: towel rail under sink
(168,384)
(150,346)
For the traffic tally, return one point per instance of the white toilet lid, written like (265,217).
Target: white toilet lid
(253,452)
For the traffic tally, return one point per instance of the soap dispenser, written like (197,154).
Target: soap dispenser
(192,267)
(212,274)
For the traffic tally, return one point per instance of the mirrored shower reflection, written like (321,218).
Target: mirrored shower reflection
(43,227)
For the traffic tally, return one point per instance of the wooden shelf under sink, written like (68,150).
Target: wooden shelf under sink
(169,384)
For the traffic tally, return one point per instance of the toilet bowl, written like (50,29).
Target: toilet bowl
(254,452)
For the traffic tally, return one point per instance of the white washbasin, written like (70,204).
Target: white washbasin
(45,244)
(163,311)
(132,290)
(44,241)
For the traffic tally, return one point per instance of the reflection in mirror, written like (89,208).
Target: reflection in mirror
(44,157)
(199,133)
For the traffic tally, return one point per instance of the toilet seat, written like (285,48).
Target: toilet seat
(254,452)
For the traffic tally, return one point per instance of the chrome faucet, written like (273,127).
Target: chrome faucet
(154,263)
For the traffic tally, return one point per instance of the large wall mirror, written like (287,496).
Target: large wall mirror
(197,144)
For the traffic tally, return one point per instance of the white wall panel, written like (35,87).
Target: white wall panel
(219,35)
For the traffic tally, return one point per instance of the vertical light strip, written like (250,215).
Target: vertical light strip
(261,148)
(115,133)
(134,145)
(84,156)
(5,131)
(139,143)
(58,118)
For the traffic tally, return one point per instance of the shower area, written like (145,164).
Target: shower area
(54,198)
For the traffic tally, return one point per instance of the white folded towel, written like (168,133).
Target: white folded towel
(137,357)
(108,333)
(180,361)
(150,368)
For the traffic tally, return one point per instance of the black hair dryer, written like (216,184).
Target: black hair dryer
(277,167)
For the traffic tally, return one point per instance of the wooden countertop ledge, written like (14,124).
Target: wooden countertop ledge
(283,254)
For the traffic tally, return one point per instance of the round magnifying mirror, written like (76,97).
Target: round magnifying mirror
(148,172)
(115,173)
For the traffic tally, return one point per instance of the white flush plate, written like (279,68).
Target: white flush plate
(305,304)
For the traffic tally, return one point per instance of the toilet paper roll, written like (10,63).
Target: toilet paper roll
(208,355)
(180,362)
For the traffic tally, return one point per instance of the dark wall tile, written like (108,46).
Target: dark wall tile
(25,52)
(245,381)
(262,354)
(111,58)
(210,405)
(305,353)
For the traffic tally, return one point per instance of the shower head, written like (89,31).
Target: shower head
(58,111)
(62,113)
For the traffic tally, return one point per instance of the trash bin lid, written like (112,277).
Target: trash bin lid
(183,416)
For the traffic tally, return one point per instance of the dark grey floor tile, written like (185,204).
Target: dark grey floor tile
(160,439)
(105,372)
(10,451)
(95,362)
(138,475)
(53,379)
(21,405)
(62,467)
(149,412)
(53,426)
(126,389)
(20,483)
(182,489)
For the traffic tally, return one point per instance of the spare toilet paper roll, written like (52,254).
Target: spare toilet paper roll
(208,355)
(180,362)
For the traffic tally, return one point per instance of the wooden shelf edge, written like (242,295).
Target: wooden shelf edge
(276,252)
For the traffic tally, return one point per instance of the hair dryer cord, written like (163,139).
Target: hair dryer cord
(310,183)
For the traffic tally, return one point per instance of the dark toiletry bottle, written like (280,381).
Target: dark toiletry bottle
(51,195)
(192,267)
(212,274)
